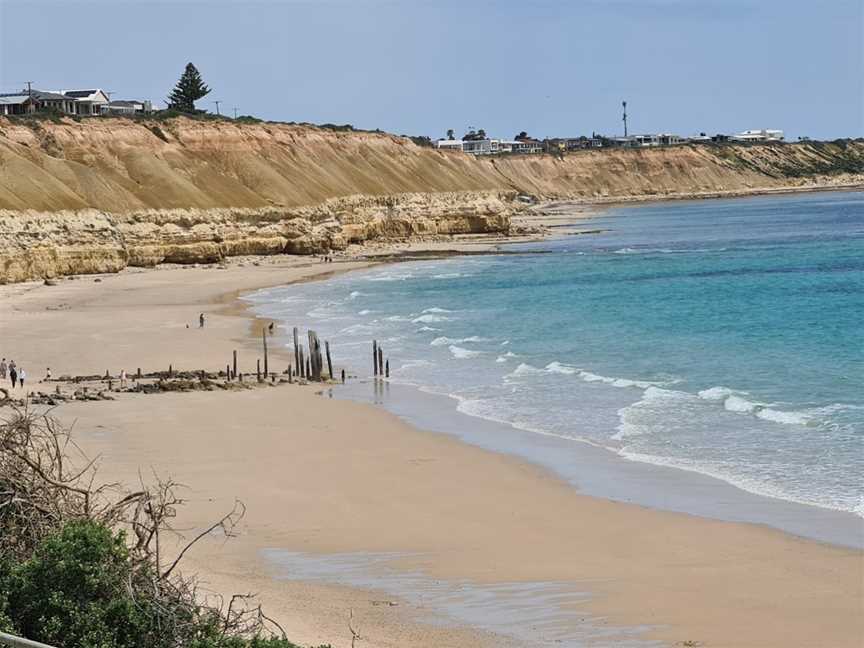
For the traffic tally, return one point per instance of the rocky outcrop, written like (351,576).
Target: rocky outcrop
(46,244)
(97,195)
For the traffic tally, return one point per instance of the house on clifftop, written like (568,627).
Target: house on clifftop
(87,102)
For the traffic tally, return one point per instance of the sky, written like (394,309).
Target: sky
(419,67)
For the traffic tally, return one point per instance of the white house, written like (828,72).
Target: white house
(449,145)
(763,135)
(126,108)
(87,102)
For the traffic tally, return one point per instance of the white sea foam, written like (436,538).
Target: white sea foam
(629,250)
(525,369)
(587,376)
(646,416)
(442,341)
(787,418)
(716,393)
(560,368)
(399,318)
(427,328)
(429,318)
(354,294)
(500,359)
(391,276)
(435,309)
(365,311)
(460,352)
(357,329)
(735,403)
(447,275)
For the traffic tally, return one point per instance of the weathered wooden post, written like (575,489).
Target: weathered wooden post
(312,374)
(258,370)
(343,376)
(297,352)
(329,362)
(138,376)
(234,371)
(241,376)
(290,376)
(374,357)
(264,339)
(227,373)
(301,366)
(380,360)
(170,371)
(308,369)
(387,369)
(110,385)
(107,375)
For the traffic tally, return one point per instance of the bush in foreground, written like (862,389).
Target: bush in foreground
(80,565)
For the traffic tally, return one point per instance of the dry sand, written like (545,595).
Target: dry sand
(324,476)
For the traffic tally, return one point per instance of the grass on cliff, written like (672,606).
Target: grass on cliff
(87,565)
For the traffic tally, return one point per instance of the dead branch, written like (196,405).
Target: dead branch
(227,524)
(355,636)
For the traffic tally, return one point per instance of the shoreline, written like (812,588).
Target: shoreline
(473,556)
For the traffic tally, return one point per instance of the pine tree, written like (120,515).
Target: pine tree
(188,90)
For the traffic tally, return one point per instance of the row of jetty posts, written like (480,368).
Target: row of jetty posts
(308,362)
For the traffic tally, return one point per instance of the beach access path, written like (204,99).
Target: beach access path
(323,476)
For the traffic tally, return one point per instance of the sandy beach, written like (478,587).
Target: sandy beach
(323,476)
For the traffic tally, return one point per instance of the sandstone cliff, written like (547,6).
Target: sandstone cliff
(98,195)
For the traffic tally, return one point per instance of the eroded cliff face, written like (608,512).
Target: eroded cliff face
(39,244)
(100,194)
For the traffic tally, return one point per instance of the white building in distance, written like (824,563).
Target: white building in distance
(763,135)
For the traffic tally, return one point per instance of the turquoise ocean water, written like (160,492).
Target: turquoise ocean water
(721,337)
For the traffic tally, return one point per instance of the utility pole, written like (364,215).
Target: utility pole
(624,103)
(217,106)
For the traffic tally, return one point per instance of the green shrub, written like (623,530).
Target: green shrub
(81,588)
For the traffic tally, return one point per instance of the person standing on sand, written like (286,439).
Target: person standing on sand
(48,374)
(3,369)
(201,320)
(21,376)
(13,374)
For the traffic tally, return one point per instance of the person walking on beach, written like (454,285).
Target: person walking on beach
(201,320)
(13,374)
(3,369)
(21,376)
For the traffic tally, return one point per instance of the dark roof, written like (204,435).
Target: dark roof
(126,103)
(79,93)
(48,96)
